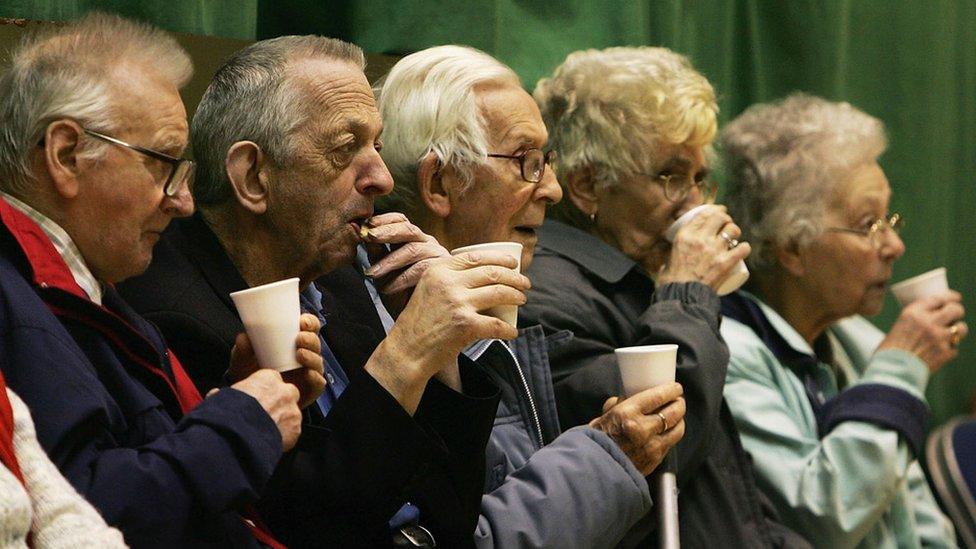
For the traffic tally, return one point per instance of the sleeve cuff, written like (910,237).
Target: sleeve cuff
(899,369)
(462,420)
(882,405)
(695,294)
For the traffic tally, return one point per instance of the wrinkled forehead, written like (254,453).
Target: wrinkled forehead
(148,105)
(864,187)
(331,87)
(511,116)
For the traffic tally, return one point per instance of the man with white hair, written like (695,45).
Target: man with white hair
(287,137)
(466,144)
(90,171)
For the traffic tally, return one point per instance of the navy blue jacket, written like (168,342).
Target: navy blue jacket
(112,407)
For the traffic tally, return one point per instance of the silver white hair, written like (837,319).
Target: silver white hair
(782,161)
(428,102)
(66,72)
(254,97)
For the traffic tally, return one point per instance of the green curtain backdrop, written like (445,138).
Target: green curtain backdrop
(227,18)
(910,63)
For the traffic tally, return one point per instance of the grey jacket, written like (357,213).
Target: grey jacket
(543,488)
(581,284)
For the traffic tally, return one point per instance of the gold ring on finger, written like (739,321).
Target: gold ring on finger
(664,423)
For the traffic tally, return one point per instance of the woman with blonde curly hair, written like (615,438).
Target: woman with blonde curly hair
(632,127)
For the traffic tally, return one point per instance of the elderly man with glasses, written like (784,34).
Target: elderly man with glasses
(90,176)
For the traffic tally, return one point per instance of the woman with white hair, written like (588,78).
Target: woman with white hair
(831,409)
(632,127)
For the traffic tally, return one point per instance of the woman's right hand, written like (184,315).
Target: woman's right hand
(930,328)
(701,254)
(637,426)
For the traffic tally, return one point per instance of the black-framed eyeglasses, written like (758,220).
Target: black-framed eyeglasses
(678,185)
(532,162)
(875,232)
(181,169)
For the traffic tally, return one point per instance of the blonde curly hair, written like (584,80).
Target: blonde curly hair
(606,108)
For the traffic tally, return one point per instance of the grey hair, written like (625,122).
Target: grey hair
(428,103)
(606,108)
(252,98)
(782,161)
(66,72)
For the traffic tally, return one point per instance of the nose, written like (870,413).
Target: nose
(374,178)
(549,189)
(892,246)
(180,204)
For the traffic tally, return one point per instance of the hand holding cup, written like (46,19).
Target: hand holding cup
(646,425)
(705,248)
(443,317)
(309,379)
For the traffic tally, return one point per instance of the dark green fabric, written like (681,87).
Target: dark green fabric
(910,63)
(227,18)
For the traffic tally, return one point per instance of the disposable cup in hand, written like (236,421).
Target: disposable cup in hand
(923,285)
(508,313)
(270,314)
(646,366)
(739,274)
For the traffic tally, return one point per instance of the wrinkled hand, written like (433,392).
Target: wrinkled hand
(925,328)
(309,379)
(279,399)
(411,257)
(442,318)
(700,254)
(634,425)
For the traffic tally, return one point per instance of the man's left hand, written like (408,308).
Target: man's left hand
(309,378)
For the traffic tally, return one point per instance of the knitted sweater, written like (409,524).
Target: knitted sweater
(52,511)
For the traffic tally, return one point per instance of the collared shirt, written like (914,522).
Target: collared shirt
(311,300)
(66,248)
(362,260)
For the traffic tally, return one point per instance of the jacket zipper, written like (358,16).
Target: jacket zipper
(528,393)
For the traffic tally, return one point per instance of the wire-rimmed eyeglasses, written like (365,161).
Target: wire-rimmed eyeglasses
(876,230)
(532,162)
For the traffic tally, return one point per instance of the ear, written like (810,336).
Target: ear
(245,165)
(790,257)
(431,175)
(60,154)
(581,187)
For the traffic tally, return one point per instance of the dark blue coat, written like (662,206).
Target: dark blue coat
(109,404)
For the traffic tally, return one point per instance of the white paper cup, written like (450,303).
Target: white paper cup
(739,274)
(923,285)
(508,313)
(270,314)
(646,366)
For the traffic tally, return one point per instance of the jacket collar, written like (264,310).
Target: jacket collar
(586,250)
(47,267)
(205,250)
(114,319)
